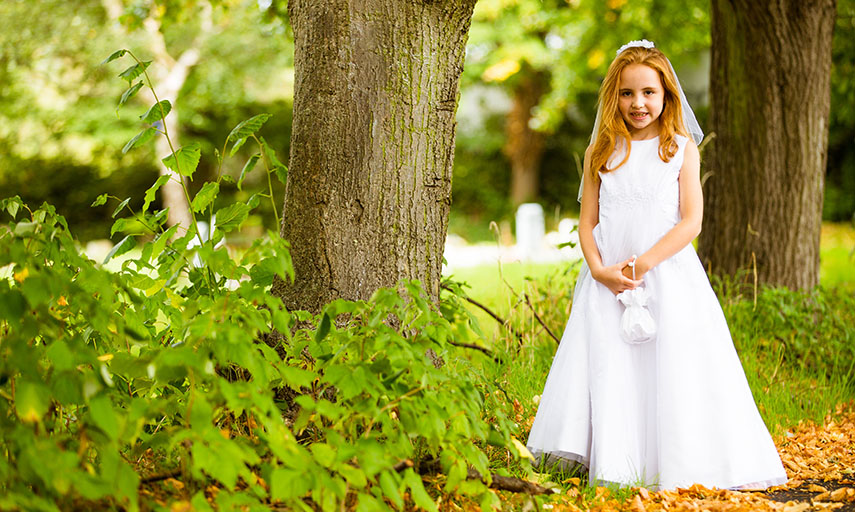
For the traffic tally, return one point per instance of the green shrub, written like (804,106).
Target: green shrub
(198,368)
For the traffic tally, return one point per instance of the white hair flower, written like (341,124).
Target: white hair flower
(644,43)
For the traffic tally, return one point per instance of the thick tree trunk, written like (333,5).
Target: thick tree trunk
(770,72)
(369,182)
(524,146)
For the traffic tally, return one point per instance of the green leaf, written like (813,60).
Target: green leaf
(104,417)
(354,476)
(205,196)
(119,226)
(185,159)
(134,71)
(160,242)
(323,329)
(232,216)
(119,208)
(278,167)
(281,173)
(237,146)
(125,245)
(417,491)
(250,164)
(248,127)
(390,489)
(157,112)
(31,401)
(150,193)
(12,205)
(140,138)
(286,484)
(100,200)
(324,454)
(113,56)
(130,93)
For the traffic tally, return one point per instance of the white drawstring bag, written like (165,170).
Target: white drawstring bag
(636,324)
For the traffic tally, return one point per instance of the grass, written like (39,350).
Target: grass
(797,348)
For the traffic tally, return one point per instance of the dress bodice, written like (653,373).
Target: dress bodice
(639,201)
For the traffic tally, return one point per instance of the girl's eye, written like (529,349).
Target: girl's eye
(648,92)
(625,93)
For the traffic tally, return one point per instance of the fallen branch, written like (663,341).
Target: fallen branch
(540,320)
(161,476)
(487,310)
(509,483)
(502,483)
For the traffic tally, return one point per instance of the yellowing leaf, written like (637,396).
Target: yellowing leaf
(522,451)
(596,58)
(22,274)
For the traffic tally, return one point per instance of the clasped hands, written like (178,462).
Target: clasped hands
(618,277)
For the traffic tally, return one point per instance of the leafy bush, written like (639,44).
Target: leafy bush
(183,360)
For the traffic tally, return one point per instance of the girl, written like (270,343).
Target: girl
(646,387)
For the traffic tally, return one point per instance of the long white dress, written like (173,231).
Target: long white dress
(668,413)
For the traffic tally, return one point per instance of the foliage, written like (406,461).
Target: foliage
(184,356)
(839,200)
(60,141)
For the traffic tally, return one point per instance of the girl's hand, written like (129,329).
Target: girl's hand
(614,279)
(640,269)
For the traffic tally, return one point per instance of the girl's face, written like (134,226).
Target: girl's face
(641,98)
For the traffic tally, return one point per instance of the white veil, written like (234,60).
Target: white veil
(689,119)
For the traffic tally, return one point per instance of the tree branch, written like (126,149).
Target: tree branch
(496,317)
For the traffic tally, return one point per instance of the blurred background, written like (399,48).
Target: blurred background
(527,102)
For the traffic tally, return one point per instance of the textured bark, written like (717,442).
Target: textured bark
(770,75)
(369,182)
(524,146)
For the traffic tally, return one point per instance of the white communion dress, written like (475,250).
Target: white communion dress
(668,413)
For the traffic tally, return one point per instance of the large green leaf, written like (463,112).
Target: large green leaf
(149,194)
(185,160)
(31,401)
(157,112)
(125,245)
(246,128)
(250,164)
(113,56)
(232,216)
(134,71)
(140,138)
(205,196)
(130,93)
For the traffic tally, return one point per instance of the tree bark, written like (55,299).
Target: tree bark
(770,76)
(369,182)
(524,146)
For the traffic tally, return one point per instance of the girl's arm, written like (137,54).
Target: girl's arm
(589,215)
(691,211)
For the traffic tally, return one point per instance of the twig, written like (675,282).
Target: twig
(503,483)
(540,320)
(496,317)
(473,346)
(162,476)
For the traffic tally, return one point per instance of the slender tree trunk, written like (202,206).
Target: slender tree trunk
(524,146)
(369,183)
(770,73)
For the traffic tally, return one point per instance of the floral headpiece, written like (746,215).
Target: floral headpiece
(644,43)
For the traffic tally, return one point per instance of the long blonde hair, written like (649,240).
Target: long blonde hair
(612,124)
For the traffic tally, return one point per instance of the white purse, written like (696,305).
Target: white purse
(636,323)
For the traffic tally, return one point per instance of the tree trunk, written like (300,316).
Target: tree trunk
(524,146)
(770,73)
(369,182)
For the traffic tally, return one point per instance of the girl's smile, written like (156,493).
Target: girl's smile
(641,99)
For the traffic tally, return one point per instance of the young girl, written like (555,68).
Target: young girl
(646,387)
